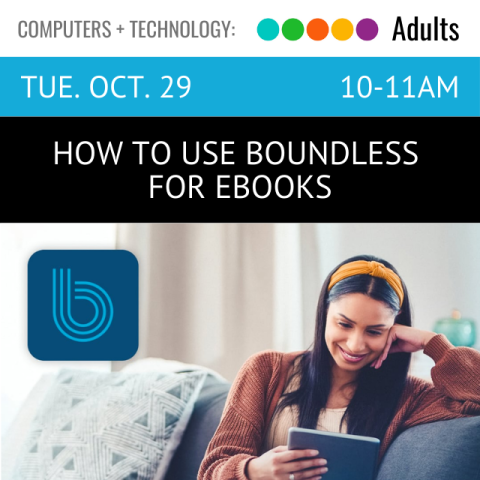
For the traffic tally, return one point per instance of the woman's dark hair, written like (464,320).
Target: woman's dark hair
(378,391)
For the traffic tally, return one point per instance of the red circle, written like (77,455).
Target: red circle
(317,29)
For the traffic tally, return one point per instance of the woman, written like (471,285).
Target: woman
(354,379)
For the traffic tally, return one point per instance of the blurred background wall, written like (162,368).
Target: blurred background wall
(213,294)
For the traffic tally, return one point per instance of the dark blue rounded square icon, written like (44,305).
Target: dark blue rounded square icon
(83,305)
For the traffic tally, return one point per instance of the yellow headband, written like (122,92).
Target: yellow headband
(376,269)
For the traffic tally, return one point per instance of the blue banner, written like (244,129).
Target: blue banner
(240,86)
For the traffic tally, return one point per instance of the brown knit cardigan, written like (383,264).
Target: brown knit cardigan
(455,393)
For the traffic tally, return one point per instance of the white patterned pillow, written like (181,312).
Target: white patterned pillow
(115,426)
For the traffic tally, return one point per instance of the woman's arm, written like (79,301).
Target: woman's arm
(233,453)
(455,391)
(239,435)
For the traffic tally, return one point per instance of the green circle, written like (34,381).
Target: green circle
(293,29)
(268,29)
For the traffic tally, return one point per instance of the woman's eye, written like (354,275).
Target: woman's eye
(371,332)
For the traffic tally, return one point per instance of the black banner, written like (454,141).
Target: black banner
(239,169)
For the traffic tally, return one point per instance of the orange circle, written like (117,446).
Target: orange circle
(317,29)
(342,29)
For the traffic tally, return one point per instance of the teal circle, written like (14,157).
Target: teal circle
(268,29)
(293,29)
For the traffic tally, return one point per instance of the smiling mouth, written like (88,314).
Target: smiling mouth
(352,358)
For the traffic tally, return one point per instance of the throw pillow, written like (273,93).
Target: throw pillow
(14,439)
(116,426)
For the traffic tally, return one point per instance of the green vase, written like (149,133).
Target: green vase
(460,331)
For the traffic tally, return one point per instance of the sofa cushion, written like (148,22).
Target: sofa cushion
(435,451)
(203,423)
(120,426)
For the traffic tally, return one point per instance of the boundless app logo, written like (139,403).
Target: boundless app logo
(83,305)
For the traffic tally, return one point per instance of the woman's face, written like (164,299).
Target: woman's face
(357,329)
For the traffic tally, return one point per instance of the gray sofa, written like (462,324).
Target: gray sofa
(448,450)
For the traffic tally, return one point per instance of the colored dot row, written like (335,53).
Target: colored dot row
(317,29)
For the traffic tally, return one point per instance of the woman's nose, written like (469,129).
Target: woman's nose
(356,343)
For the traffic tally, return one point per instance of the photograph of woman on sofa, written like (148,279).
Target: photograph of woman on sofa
(353,379)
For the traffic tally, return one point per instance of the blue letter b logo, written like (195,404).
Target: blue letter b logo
(87,291)
(83,305)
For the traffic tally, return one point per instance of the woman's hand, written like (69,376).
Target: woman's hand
(279,463)
(403,339)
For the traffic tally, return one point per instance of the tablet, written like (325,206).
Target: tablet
(349,457)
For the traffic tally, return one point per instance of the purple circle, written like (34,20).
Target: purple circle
(367,29)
